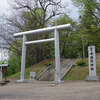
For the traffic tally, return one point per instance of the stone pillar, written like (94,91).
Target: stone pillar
(22,77)
(57,58)
(92,65)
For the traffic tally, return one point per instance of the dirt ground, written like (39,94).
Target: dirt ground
(40,90)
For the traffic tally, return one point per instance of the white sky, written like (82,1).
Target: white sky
(74,10)
(4,6)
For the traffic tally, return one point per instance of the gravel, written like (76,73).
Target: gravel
(43,90)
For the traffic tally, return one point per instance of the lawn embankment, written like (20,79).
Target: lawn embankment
(35,68)
(81,72)
(76,73)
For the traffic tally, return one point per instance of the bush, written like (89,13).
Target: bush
(80,62)
(9,71)
(14,65)
(47,63)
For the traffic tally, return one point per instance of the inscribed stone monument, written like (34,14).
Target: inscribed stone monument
(92,65)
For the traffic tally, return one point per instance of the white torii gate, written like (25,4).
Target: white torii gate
(57,48)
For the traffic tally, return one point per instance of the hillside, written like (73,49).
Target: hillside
(76,73)
(81,72)
(35,68)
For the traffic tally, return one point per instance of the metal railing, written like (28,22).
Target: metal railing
(42,71)
(67,69)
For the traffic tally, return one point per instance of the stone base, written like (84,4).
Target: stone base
(3,83)
(92,79)
(7,81)
(58,82)
(22,81)
(31,78)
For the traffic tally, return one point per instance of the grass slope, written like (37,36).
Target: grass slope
(76,73)
(81,72)
(35,68)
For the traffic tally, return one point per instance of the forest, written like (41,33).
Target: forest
(29,15)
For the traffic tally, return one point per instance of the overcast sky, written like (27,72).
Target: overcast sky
(4,6)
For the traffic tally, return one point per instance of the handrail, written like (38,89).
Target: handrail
(64,71)
(68,68)
(41,71)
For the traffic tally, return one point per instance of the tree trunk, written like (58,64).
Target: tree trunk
(72,51)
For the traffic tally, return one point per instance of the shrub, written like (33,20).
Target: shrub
(47,63)
(80,62)
(9,71)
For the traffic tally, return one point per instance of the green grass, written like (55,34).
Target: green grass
(76,73)
(35,68)
(27,72)
(81,72)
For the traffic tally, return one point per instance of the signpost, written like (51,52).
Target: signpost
(0,76)
(92,65)
(32,75)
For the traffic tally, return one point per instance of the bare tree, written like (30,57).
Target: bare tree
(29,15)
(50,8)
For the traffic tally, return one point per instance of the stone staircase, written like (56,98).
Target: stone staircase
(48,73)
(65,67)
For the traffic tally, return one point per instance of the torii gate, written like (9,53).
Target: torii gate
(57,48)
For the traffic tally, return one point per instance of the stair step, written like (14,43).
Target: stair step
(48,74)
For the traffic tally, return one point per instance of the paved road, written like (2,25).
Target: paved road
(35,90)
